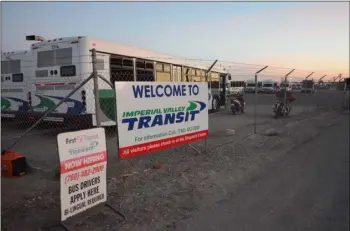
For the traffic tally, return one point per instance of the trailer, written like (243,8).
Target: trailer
(63,63)
(307,86)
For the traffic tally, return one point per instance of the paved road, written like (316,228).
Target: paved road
(323,98)
(308,189)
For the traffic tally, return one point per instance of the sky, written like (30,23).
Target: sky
(306,36)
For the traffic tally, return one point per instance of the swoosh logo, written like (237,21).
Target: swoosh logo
(194,106)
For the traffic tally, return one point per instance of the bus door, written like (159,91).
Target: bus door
(222,88)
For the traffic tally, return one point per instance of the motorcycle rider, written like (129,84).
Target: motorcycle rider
(281,93)
(241,101)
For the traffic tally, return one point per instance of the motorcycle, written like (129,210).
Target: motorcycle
(280,109)
(237,105)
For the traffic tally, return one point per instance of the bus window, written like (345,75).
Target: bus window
(45,59)
(159,67)
(127,63)
(16,78)
(63,57)
(166,67)
(200,73)
(12,66)
(116,62)
(140,64)
(58,57)
(149,65)
(67,71)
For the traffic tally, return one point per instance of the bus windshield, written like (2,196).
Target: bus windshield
(58,57)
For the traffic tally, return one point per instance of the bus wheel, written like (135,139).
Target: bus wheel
(215,104)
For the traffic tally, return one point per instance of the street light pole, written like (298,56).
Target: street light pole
(308,75)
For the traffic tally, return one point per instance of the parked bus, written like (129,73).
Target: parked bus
(250,86)
(63,63)
(237,87)
(16,69)
(268,86)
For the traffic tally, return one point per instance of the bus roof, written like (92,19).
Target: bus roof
(129,51)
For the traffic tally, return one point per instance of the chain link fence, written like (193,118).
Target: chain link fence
(46,100)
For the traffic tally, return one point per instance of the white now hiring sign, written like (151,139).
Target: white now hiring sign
(154,116)
(83,162)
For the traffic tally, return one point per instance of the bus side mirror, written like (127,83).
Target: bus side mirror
(229,77)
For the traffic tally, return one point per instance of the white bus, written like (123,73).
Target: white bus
(16,69)
(268,86)
(250,86)
(237,87)
(63,63)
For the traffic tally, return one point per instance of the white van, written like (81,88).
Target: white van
(268,86)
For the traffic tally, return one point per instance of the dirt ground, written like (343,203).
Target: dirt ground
(157,198)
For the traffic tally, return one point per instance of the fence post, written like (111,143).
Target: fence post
(209,85)
(96,92)
(285,85)
(256,95)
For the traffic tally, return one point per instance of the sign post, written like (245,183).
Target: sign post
(83,163)
(155,116)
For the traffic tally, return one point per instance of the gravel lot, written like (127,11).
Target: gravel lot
(157,198)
